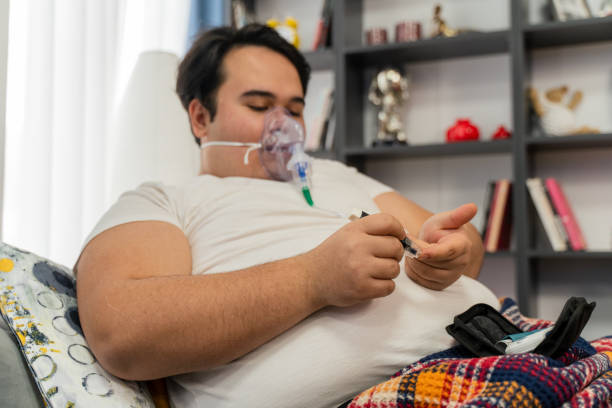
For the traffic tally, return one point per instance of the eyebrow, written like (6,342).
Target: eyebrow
(266,94)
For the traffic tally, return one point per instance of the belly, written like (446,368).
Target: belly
(337,352)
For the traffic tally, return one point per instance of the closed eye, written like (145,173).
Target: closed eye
(265,108)
(258,108)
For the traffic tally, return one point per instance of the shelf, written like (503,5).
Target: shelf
(431,150)
(568,32)
(322,154)
(587,141)
(321,59)
(464,45)
(579,255)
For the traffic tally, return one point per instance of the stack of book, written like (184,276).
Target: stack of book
(556,215)
(497,228)
(321,129)
(323,36)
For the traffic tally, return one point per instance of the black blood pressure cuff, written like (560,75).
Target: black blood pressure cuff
(574,316)
(480,327)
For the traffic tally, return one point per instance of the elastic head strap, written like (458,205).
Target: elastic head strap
(252,146)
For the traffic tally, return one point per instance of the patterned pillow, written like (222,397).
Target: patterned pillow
(38,302)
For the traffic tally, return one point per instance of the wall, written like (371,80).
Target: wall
(4,17)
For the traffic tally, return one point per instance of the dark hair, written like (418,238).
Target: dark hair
(200,73)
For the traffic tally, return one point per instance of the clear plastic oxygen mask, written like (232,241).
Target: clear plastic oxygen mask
(281,150)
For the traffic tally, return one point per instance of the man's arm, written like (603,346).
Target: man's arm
(146,316)
(459,247)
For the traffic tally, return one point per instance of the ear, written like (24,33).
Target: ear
(199,118)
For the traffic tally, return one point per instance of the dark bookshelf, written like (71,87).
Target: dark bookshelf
(586,141)
(565,33)
(464,45)
(324,59)
(432,150)
(352,62)
(500,254)
(586,255)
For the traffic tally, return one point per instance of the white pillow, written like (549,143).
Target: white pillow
(38,302)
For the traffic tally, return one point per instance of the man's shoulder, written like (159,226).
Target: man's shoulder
(159,187)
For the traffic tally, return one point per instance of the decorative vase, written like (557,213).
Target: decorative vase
(501,133)
(461,131)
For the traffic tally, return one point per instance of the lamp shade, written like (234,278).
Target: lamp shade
(152,138)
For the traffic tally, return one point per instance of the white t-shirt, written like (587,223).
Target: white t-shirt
(235,222)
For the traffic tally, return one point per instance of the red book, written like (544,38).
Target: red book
(322,33)
(487,234)
(562,207)
(500,213)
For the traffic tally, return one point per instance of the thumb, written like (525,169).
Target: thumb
(456,218)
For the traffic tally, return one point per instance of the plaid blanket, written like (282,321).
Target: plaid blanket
(582,377)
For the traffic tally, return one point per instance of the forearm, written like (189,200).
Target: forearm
(156,327)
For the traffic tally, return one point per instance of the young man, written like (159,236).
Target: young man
(242,293)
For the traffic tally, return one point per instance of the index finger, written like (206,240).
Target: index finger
(382,224)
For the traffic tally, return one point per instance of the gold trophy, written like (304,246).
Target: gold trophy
(388,90)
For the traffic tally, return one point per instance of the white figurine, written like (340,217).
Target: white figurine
(557,117)
(388,90)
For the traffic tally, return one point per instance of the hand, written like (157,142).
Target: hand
(446,248)
(357,262)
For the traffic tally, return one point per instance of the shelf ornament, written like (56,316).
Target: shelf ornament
(287,30)
(441,29)
(556,116)
(388,90)
(462,131)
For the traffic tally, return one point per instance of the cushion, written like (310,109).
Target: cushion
(38,303)
(17,388)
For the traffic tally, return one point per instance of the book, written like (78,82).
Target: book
(562,206)
(329,124)
(500,213)
(558,222)
(317,126)
(322,36)
(535,186)
(505,233)
(331,132)
(487,206)
(494,196)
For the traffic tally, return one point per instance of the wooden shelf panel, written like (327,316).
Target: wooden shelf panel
(568,32)
(464,45)
(450,149)
(547,143)
(581,255)
(321,59)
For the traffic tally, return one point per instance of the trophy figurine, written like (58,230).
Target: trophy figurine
(441,29)
(389,88)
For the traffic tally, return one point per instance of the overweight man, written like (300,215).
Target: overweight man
(240,291)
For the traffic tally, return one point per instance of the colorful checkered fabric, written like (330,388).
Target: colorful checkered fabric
(582,377)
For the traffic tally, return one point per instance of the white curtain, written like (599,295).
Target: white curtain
(69,64)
